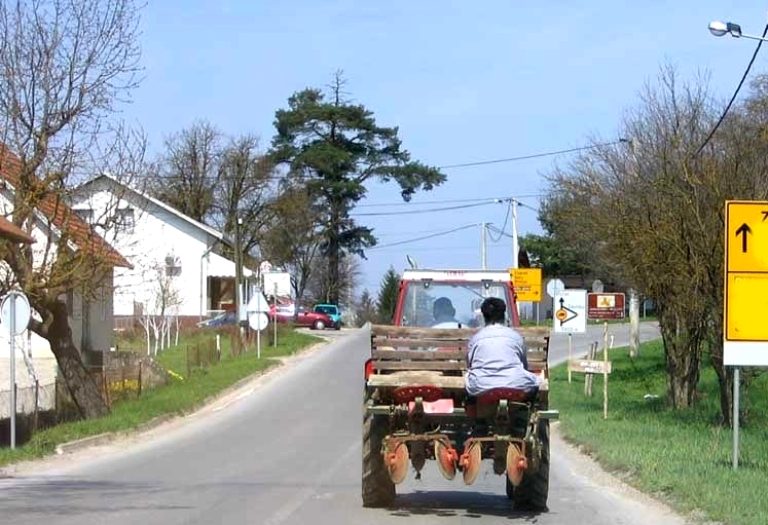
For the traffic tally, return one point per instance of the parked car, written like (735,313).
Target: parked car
(332,310)
(314,320)
(222,319)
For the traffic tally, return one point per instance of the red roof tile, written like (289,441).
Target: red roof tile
(11,232)
(55,210)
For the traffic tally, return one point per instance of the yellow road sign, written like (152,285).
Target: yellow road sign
(746,270)
(527,282)
(746,236)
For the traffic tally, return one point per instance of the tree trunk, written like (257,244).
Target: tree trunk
(81,386)
(334,255)
(682,349)
(724,379)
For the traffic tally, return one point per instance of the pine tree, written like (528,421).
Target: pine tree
(387,301)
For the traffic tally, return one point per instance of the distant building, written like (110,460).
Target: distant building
(176,260)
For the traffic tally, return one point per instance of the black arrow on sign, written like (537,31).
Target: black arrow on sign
(562,302)
(743,230)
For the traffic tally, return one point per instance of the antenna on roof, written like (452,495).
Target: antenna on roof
(412,262)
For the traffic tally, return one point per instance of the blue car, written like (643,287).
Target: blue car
(332,311)
(222,319)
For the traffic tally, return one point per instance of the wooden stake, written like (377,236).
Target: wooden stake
(605,375)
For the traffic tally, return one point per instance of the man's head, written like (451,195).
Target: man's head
(442,309)
(493,310)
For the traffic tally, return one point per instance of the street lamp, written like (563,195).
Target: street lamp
(719,28)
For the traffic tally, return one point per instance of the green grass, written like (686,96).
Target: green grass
(178,397)
(684,457)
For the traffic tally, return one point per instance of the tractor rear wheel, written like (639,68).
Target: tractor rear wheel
(378,489)
(532,493)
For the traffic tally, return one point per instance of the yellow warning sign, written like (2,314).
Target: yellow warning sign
(527,283)
(746,270)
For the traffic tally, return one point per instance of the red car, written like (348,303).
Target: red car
(313,320)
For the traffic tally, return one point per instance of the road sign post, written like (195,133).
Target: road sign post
(257,310)
(15,313)
(745,333)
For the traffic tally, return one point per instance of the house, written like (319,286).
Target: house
(177,266)
(90,307)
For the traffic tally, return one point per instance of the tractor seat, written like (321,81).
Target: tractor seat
(433,401)
(516,395)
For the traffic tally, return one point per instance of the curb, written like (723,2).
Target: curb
(98,439)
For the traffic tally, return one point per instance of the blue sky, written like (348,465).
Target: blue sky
(464,81)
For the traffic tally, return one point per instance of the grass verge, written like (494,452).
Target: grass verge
(683,457)
(178,397)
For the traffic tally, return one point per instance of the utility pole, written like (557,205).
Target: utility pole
(483,247)
(515,245)
(238,274)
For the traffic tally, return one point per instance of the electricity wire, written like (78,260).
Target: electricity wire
(533,156)
(423,238)
(735,93)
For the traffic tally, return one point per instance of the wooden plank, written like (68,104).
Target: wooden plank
(412,378)
(418,355)
(533,331)
(416,343)
(536,343)
(419,332)
(590,366)
(419,365)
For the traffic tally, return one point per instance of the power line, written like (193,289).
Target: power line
(735,93)
(448,201)
(425,237)
(429,210)
(533,156)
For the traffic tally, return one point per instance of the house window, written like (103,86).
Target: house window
(125,220)
(86,214)
(172,266)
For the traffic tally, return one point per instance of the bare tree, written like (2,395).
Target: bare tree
(244,191)
(188,171)
(293,239)
(652,211)
(64,68)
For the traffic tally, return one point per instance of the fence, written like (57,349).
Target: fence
(29,400)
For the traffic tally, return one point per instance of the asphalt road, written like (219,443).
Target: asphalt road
(286,449)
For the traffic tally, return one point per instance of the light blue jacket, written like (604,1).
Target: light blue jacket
(496,359)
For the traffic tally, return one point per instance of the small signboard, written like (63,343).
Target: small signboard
(570,315)
(589,366)
(605,305)
(527,283)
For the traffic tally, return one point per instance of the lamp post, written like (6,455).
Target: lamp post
(719,28)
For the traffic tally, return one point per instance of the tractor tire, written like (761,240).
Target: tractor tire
(532,493)
(378,489)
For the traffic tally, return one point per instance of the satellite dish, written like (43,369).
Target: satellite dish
(598,286)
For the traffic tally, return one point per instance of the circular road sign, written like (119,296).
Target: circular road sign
(21,314)
(258,320)
(554,287)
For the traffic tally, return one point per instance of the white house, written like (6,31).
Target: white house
(176,267)
(89,307)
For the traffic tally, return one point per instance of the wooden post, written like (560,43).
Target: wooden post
(138,391)
(218,347)
(605,373)
(570,344)
(589,378)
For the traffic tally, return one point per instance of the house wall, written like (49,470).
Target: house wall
(157,234)
(93,317)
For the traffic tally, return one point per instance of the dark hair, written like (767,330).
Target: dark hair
(442,308)
(493,310)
